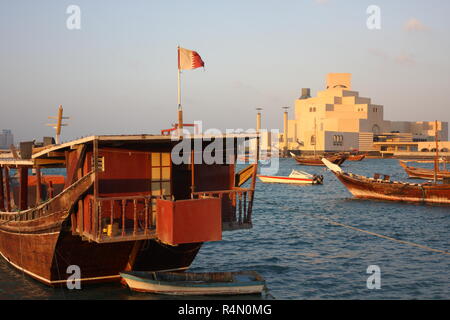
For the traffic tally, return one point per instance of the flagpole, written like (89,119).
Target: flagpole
(179,79)
(180,109)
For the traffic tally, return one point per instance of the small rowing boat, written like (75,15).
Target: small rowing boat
(189,283)
(296,177)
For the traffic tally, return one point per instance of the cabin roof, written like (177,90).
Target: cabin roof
(16,162)
(55,151)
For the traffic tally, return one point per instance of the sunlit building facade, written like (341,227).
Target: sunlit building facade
(338,119)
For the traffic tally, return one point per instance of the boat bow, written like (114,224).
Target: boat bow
(331,166)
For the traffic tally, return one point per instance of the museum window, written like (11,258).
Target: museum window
(338,140)
(313,140)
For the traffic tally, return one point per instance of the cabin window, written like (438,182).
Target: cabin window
(100,164)
(161,173)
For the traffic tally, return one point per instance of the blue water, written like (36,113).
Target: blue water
(304,257)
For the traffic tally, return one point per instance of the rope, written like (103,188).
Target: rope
(267,293)
(383,236)
(59,275)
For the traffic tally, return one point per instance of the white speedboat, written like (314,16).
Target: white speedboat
(296,177)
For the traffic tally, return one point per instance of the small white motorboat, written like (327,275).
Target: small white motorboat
(296,177)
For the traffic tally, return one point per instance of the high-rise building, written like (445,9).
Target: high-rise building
(6,139)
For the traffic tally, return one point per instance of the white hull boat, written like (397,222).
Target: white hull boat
(296,177)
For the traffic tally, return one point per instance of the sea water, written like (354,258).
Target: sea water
(301,255)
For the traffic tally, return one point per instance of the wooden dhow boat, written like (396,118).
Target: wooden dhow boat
(317,161)
(435,174)
(296,177)
(358,157)
(382,188)
(423,173)
(122,205)
(189,283)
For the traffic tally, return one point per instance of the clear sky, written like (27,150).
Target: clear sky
(118,73)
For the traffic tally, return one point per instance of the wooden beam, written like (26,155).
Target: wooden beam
(80,217)
(192,173)
(50,190)
(242,176)
(253,183)
(14,163)
(2,192)
(14,152)
(44,162)
(73,175)
(38,186)
(96,181)
(95,168)
(55,154)
(23,193)
(7,190)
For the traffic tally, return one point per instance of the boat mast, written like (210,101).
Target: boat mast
(57,126)
(436,159)
(315,136)
(180,108)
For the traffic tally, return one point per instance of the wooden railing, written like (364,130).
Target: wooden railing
(54,206)
(114,219)
(121,218)
(237,205)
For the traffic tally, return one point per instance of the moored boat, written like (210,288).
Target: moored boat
(380,187)
(358,157)
(317,161)
(189,283)
(123,204)
(296,177)
(423,173)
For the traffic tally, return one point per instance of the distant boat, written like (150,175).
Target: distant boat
(179,283)
(378,188)
(296,177)
(316,161)
(359,157)
(422,173)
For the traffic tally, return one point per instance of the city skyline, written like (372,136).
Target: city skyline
(114,74)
